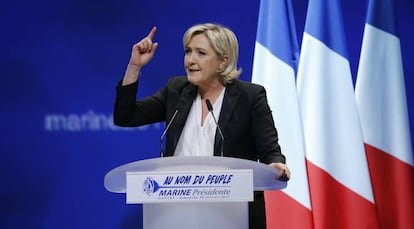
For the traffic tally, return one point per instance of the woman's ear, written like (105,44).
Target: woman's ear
(223,62)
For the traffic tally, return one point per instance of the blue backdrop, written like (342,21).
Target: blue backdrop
(60,62)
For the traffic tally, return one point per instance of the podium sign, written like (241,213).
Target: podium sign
(193,186)
(193,192)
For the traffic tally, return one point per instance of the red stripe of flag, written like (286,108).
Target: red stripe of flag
(281,206)
(335,201)
(393,185)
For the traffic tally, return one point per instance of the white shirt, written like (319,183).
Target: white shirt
(197,139)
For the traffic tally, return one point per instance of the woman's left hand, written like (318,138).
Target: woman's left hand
(284,172)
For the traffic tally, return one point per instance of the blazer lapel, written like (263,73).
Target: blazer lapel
(230,100)
(186,101)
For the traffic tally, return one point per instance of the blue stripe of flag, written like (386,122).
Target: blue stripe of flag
(275,18)
(381,15)
(324,22)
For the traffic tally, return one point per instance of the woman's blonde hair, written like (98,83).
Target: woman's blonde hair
(223,41)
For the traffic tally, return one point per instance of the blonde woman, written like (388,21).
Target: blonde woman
(210,60)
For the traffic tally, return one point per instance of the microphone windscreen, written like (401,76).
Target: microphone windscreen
(209,106)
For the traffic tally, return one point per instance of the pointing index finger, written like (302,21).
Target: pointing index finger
(151,34)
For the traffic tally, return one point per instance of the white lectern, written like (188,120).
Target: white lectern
(193,192)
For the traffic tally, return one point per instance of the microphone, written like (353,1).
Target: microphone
(210,109)
(166,129)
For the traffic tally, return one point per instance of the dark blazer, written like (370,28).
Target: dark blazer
(245,118)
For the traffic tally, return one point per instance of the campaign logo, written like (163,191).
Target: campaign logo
(87,121)
(189,186)
(185,186)
(150,186)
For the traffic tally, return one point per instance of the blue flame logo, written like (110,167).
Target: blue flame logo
(150,186)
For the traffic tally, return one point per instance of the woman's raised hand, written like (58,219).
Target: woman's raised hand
(143,51)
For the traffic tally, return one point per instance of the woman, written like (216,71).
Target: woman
(211,53)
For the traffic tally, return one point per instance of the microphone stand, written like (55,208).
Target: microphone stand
(165,132)
(210,109)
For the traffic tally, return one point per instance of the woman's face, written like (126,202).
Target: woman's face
(201,62)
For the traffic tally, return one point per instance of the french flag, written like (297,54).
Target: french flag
(275,58)
(339,181)
(381,100)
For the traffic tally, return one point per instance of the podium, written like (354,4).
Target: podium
(193,191)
